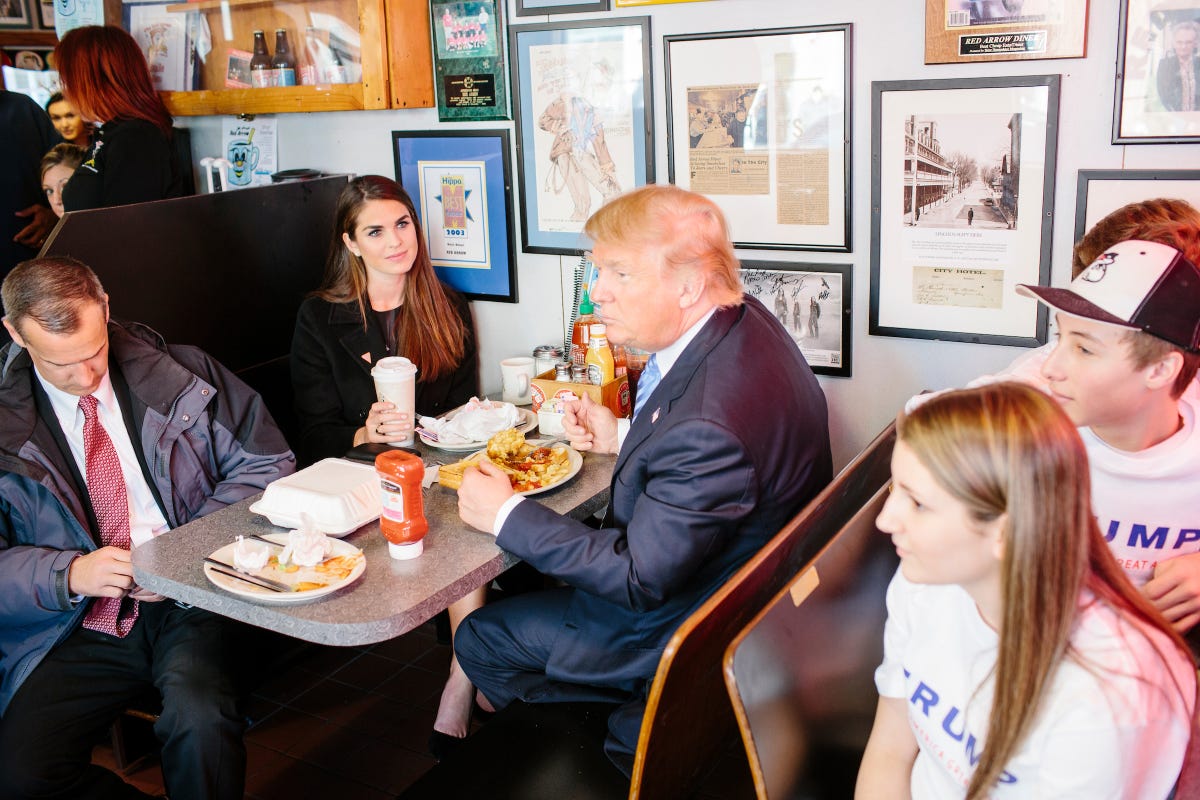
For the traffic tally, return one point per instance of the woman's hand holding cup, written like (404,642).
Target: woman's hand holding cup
(386,424)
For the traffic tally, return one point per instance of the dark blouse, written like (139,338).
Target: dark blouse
(130,161)
(331,362)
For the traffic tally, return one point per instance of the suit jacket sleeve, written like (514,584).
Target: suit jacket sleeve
(702,486)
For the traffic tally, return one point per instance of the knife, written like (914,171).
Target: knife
(231,571)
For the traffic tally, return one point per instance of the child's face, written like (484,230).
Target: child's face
(1093,376)
(52,184)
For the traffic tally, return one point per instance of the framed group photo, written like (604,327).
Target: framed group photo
(961,31)
(1102,191)
(14,15)
(812,302)
(759,122)
(468,59)
(585,123)
(461,184)
(962,194)
(1158,73)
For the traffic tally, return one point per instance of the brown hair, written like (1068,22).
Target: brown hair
(51,292)
(676,229)
(1008,449)
(104,75)
(66,154)
(429,330)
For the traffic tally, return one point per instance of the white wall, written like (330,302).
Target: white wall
(888,44)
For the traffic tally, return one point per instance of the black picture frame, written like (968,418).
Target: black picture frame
(532,8)
(580,68)
(759,173)
(15,15)
(472,249)
(1099,192)
(1146,94)
(786,288)
(934,167)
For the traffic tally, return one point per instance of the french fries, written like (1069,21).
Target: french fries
(527,467)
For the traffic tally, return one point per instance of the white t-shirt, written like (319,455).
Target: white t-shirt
(1148,502)
(1118,730)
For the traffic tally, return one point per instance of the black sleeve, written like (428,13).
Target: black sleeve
(325,430)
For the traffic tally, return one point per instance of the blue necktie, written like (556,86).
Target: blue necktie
(646,383)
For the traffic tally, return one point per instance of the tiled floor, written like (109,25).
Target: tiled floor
(353,723)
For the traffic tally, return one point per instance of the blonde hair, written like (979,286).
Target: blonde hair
(676,229)
(1008,449)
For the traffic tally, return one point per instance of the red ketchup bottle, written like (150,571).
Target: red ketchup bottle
(403,520)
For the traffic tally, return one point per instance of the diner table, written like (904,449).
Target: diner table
(392,596)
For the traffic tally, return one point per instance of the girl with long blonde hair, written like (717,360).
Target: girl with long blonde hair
(1018,659)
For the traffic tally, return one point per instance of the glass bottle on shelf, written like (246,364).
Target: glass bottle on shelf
(284,63)
(261,73)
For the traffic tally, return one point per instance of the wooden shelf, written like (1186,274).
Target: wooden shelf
(28,39)
(276,100)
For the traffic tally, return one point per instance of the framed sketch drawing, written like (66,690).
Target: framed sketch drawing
(759,122)
(958,31)
(14,15)
(582,104)
(1102,191)
(1158,73)
(462,187)
(962,193)
(812,301)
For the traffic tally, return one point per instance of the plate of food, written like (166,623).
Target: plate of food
(531,469)
(450,437)
(240,567)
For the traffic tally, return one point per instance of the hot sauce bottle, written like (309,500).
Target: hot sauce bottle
(403,521)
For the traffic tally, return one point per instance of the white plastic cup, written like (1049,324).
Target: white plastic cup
(396,382)
(515,376)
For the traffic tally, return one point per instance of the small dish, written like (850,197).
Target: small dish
(528,422)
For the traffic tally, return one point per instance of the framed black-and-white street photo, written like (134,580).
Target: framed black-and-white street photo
(759,122)
(1158,73)
(460,182)
(812,301)
(1102,191)
(962,194)
(585,123)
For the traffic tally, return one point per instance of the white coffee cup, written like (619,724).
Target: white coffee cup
(396,382)
(515,376)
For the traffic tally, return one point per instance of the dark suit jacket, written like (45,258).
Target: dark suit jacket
(729,446)
(1170,84)
(333,385)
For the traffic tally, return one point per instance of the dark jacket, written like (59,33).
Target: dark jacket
(1170,83)
(130,161)
(206,440)
(332,381)
(25,136)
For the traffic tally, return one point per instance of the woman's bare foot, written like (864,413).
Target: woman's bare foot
(454,710)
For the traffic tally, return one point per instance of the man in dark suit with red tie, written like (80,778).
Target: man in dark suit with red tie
(728,441)
(109,437)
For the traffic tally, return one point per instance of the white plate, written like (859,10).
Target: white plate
(527,423)
(251,592)
(574,459)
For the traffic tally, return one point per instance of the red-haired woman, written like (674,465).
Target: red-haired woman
(132,158)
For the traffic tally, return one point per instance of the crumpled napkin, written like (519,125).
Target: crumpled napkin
(249,555)
(478,421)
(306,547)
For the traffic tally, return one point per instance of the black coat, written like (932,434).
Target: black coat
(332,381)
(130,161)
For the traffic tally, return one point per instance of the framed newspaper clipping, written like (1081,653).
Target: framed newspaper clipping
(1158,73)
(812,301)
(962,193)
(1103,191)
(759,121)
(460,182)
(585,122)
(958,31)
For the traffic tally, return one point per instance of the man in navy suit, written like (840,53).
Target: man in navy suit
(728,446)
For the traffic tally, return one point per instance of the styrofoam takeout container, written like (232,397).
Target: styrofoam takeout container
(339,496)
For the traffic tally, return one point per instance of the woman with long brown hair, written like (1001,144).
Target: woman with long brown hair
(1018,659)
(382,298)
(132,157)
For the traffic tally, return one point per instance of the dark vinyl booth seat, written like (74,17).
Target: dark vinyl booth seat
(555,750)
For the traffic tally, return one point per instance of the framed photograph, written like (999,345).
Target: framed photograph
(46,14)
(962,192)
(529,8)
(14,15)
(468,60)
(1158,73)
(1102,191)
(634,3)
(461,185)
(585,123)
(812,301)
(959,31)
(759,121)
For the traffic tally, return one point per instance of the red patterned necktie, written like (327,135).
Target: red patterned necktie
(106,486)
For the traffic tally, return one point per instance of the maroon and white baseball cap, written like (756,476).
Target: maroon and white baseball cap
(1146,286)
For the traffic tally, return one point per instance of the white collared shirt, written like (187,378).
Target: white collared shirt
(145,518)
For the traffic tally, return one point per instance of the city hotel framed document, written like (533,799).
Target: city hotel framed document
(958,31)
